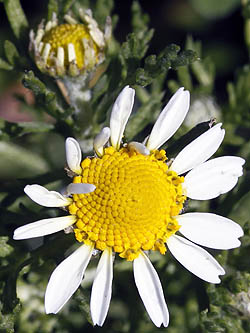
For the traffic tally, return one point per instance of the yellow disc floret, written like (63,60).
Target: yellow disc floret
(134,205)
(65,34)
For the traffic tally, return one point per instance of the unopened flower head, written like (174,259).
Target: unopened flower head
(128,199)
(71,48)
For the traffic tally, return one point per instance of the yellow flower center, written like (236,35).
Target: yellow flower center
(65,34)
(134,205)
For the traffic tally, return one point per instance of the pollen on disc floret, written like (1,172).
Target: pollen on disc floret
(134,205)
(65,34)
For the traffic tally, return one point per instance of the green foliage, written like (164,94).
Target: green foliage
(5,65)
(46,97)
(11,52)
(239,96)
(5,249)
(17,18)
(228,306)
(169,58)
(246,9)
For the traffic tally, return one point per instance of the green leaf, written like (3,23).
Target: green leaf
(5,249)
(67,5)
(52,8)
(17,18)
(140,20)
(17,160)
(45,97)
(13,129)
(7,320)
(228,305)
(5,65)
(143,77)
(11,52)
(103,9)
(185,58)
(240,211)
(246,9)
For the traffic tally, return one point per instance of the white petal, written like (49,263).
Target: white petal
(195,259)
(210,230)
(73,155)
(43,227)
(46,198)
(66,278)
(102,288)
(150,290)
(120,114)
(139,148)
(101,139)
(212,178)
(199,150)
(80,188)
(71,53)
(170,119)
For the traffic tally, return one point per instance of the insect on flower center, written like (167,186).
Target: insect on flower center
(75,34)
(134,205)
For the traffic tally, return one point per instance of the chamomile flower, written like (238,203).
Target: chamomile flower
(71,48)
(127,200)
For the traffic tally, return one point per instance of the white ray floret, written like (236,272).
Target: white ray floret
(71,53)
(101,139)
(212,178)
(139,148)
(170,119)
(69,19)
(44,227)
(80,188)
(89,52)
(195,259)
(54,20)
(40,47)
(66,278)
(46,52)
(46,198)
(120,113)
(108,28)
(48,26)
(102,288)
(39,36)
(210,230)
(199,150)
(60,56)
(206,180)
(96,34)
(73,155)
(150,290)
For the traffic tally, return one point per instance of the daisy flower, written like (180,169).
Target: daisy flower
(71,48)
(127,200)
